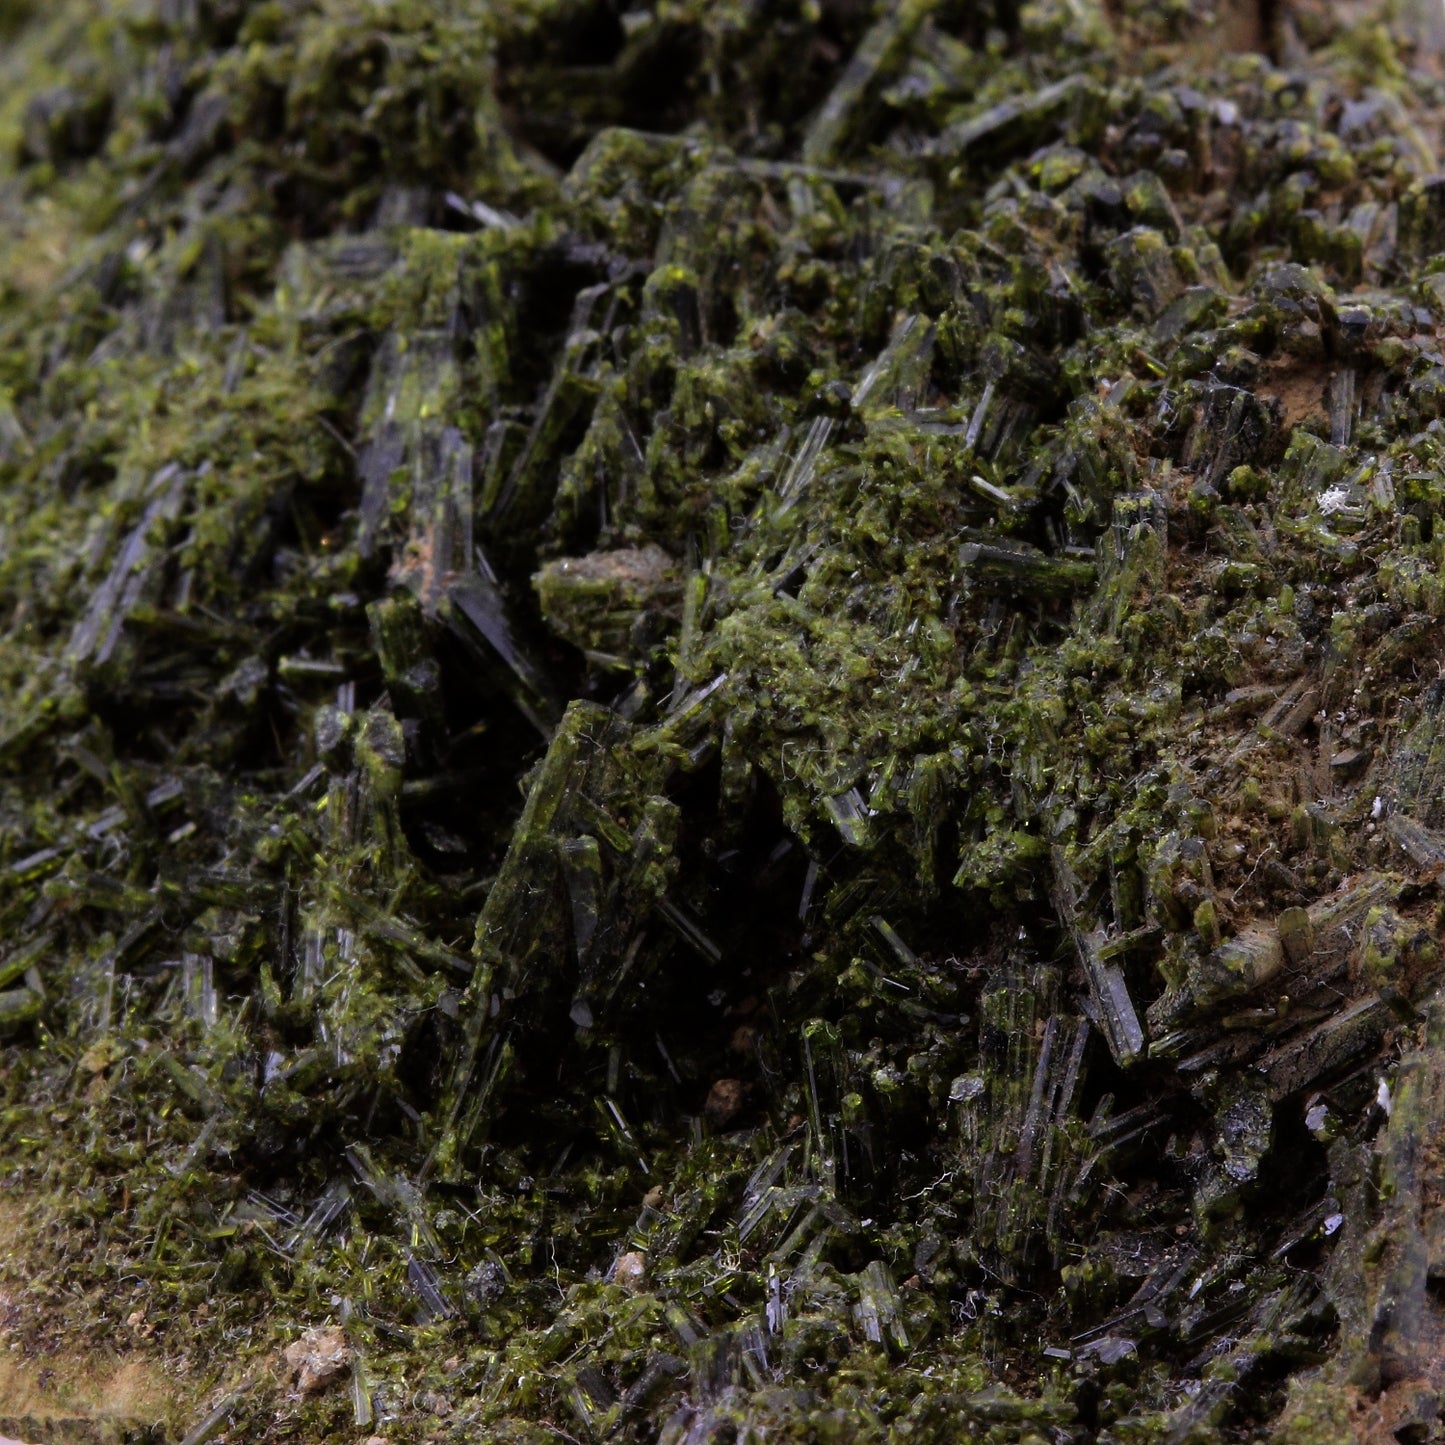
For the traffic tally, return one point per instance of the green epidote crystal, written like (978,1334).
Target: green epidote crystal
(723,721)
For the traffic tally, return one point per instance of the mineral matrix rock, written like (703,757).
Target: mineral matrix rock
(722,722)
